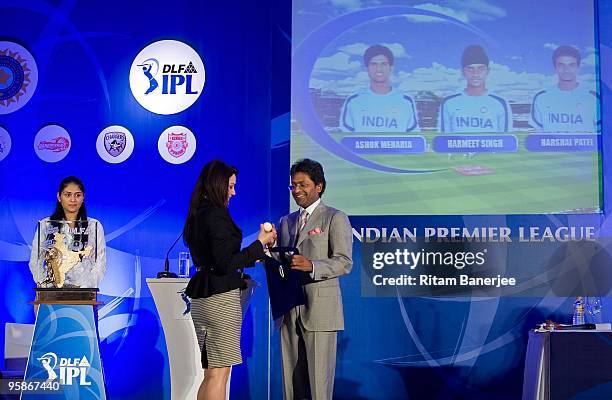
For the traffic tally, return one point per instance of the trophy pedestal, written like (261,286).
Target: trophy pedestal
(65,353)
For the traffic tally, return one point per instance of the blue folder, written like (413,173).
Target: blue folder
(284,284)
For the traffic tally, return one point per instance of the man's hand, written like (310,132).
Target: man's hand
(301,263)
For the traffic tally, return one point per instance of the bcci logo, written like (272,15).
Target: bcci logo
(167,77)
(69,371)
(176,144)
(18,77)
(115,144)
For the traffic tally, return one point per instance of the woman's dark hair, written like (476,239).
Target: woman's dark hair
(60,215)
(210,188)
(311,168)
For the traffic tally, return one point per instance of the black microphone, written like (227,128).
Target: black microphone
(166,272)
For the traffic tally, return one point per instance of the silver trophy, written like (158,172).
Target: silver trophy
(65,249)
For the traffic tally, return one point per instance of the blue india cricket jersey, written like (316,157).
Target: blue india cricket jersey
(371,112)
(556,110)
(461,113)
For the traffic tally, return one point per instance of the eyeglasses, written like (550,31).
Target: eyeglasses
(300,186)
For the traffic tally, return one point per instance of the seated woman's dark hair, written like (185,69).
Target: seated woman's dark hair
(60,215)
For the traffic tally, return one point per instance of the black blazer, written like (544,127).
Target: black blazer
(215,250)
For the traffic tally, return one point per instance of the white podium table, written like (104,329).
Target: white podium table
(186,371)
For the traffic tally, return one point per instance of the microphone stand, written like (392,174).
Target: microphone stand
(166,272)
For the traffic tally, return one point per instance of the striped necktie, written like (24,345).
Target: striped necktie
(301,224)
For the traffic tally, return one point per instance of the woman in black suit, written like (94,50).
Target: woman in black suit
(214,242)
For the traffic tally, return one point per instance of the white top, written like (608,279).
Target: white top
(87,273)
(461,113)
(565,111)
(373,113)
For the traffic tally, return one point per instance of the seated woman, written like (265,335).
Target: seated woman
(79,233)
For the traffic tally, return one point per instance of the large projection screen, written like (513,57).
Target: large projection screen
(443,108)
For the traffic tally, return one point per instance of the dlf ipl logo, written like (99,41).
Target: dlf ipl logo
(69,371)
(18,77)
(167,77)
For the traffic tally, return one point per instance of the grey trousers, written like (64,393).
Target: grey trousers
(309,360)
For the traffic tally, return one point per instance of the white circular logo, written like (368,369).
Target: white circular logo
(18,77)
(5,143)
(176,144)
(52,143)
(167,77)
(115,144)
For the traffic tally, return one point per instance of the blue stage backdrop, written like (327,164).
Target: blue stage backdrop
(85,53)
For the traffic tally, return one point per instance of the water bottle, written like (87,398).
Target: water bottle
(183,267)
(578,318)
(593,308)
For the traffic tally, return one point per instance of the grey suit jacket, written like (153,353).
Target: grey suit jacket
(331,252)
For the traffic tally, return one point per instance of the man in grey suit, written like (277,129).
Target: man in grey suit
(323,237)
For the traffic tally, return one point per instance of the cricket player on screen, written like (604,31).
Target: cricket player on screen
(568,106)
(380,108)
(474,110)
